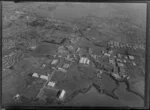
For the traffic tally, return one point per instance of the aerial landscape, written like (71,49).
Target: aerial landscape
(73,54)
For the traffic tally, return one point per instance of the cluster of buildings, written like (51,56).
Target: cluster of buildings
(58,63)
(8,44)
(64,59)
(49,89)
(84,60)
(118,62)
(119,71)
(36,75)
(115,44)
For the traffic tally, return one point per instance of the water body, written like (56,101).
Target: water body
(127,97)
(94,98)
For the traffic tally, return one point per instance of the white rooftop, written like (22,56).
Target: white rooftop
(131,57)
(107,54)
(52,84)
(54,62)
(63,92)
(35,75)
(84,60)
(44,77)
(62,70)
(134,64)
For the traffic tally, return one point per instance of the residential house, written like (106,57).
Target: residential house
(111,61)
(133,63)
(116,76)
(51,84)
(44,77)
(54,62)
(62,94)
(131,57)
(62,70)
(107,54)
(36,75)
(16,97)
(84,60)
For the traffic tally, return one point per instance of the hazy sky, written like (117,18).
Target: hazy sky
(137,11)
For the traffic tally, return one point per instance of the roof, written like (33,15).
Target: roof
(131,57)
(61,96)
(62,70)
(55,61)
(50,83)
(44,77)
(35,75)
(84,60)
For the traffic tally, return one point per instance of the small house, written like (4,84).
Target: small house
(101,71)
(128,77)
(133,63)
(33,47)
(62,94)
(111,61)
(44,77)
(16,97)
(116,76)
(62,70)
(54,62)
(36,75)
(88,61)
(107,54)
(131,57)
(84,60)
(43,65)
(51,84)
(78,49)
